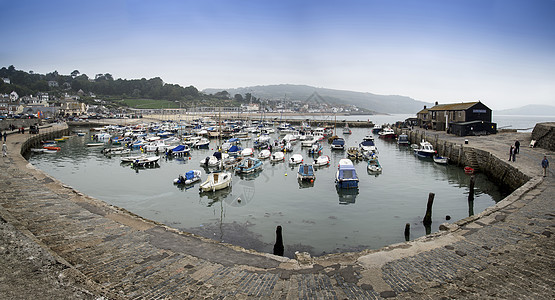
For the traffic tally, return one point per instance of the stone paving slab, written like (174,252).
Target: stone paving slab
(505,252)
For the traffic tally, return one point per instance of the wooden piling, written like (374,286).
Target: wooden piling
(278,246)
(407,232)
(428,217)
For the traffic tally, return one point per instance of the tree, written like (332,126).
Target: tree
(238,97)
(108,76)
(75,73)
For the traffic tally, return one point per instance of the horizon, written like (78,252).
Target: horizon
(498,52)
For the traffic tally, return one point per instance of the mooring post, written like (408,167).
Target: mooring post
(278,246)
(428,217)
(407,232)
(471,191)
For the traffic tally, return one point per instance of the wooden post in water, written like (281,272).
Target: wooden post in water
(407,232)
(471,191)
(428,217)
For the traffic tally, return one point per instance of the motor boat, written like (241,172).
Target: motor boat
(234,150)
(403,139)
(354,153)
(367,145)
(387,133)
(277,157)
(322,160)
(295,159)
(346,175)
(309,142)
(374,166)
(201,143)
(441,160)
(347,130)
(248,165)
(188,178)
(215,160)
(247,152)
(147,161)
(130,159)
(264,154)
(425,150)
(316,148)
(216,181)
(338,144)
(180,150)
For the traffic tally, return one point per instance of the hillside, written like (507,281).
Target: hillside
(391,104)
(531,110)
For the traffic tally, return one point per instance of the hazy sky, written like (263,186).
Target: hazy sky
(500,52)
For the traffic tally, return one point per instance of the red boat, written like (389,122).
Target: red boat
(52,148)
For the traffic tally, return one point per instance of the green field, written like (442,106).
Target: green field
(148,103)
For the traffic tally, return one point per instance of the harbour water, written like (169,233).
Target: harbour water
(316,218)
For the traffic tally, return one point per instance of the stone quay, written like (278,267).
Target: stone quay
(56,242)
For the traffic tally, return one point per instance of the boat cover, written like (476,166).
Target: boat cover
(234,149)
(218,155)
(338,142)
(233,140)
(367,143)
(178,148)
(190,175)
(347,172)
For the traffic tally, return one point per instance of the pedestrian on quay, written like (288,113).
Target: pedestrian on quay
(514,154)
(4,150)
(517,147)
(5,136)
(545,165)
(511,153)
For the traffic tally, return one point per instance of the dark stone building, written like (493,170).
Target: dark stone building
(470,118)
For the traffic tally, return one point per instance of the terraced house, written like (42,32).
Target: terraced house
(467,118)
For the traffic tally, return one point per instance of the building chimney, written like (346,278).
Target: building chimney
(437,103)
(424,106)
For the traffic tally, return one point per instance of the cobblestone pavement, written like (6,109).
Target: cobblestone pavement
(86,248)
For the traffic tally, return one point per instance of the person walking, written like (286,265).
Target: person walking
(514,154)
(517,147)
(511,153)
(5,136)
(545,165)
(4,150)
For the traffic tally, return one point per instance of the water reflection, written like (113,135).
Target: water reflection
(214,197)
(347,196)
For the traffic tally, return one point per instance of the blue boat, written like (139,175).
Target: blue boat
(248,165)
(305,173)
(346,176)
(338,144)
(181,150)
(234,150)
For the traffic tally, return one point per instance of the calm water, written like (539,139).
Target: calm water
(317,219)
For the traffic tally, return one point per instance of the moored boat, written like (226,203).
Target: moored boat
(295,159)
(374,166)
(425,150)
(346,175)
(322,160)
(248,165)
(147,161)
(306,172)
(247,152)
(441,160)
(264,154)
(338,144)
(387,133)
(277,157)
(403,139)
(216,181)
(354,153)
(189,177)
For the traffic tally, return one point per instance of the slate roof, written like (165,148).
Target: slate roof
(454,106)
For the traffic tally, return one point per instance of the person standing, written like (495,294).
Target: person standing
(517,147)
(511,153)
(545,165)
(4,150)
(514,153)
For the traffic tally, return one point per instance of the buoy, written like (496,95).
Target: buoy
(285,174)
(189,158)
(311,180)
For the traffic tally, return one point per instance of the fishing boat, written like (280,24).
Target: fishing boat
(347,130)
(425,150)
(180,150)
(295,159)
(387,133)
(441,160)
(247,152)
(248,165)
(264,154)
(374,166)
(52,148)
(354,153)
(322,160)
(277,157)
(315,149)
(338,144)
(188,178)
(346,175)
(147,161)
(306,173)
(376,129)
(215,182)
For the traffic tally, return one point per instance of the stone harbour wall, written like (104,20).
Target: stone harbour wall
(544,135)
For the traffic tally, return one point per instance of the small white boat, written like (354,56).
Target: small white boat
(188,178)
(130,159)
(277,157)
(116,150)
(264,154)
(295,159)
(215,160)
(202,143)
(441,160)
(247,152)
(95,144)
(426,150)
(147,161)
(216,181)
(322,160)
(309,142)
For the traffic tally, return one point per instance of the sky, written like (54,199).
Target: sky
(501,52)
